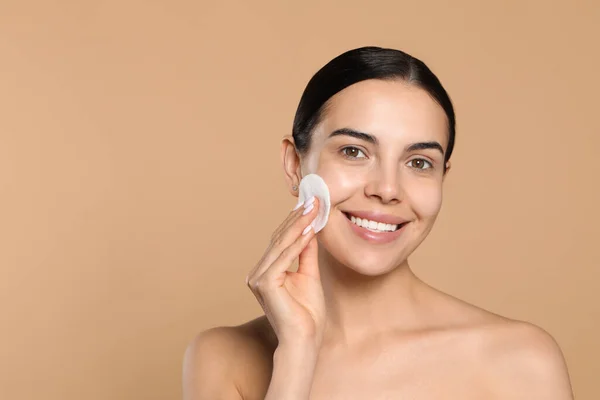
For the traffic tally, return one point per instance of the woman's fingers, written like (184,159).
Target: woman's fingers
(274,273)
(308,264)
(294,227)
(286,237)
(311,202)
(292,216)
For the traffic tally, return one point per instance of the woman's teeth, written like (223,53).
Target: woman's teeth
(373,225)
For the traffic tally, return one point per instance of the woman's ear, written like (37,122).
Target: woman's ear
(291,164)
(448,165)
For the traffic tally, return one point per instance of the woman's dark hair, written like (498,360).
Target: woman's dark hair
(358,65)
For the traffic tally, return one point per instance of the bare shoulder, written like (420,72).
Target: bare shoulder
(523,361)
(229,362)
(517,359)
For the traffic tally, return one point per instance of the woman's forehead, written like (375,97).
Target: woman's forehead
(390,110)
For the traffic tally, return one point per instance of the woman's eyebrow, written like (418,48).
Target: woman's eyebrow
(425,146)
(355,134)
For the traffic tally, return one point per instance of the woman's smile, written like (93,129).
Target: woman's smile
(377,228)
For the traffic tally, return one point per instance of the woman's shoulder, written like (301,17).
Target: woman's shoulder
(239,356)
(523,358)
(516,356)
(256,331)
(499,335)
(505,338)
(250,340)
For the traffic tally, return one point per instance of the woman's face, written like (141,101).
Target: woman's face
(380,149)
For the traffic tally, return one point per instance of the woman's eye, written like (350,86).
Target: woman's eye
(420,163)
(352,152)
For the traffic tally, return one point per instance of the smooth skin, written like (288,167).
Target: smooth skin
(355,322)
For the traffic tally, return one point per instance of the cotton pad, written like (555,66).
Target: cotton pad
(314,185)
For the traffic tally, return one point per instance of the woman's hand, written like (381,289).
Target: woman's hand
(292,301)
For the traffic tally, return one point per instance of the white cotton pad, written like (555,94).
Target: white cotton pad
(314,185)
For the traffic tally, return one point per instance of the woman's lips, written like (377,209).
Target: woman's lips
(376,237)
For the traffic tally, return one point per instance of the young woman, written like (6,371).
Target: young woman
(354,321)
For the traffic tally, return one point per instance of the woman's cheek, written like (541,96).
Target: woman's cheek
(426,200)
(342,182)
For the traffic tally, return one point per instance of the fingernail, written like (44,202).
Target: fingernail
(308,209)
(298,206)
(310,200)
(306,230)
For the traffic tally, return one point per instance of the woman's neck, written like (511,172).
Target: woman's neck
(360,306)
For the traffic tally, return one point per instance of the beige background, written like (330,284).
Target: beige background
(140,176)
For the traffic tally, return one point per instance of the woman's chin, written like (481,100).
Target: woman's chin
(370,269)
(367,263)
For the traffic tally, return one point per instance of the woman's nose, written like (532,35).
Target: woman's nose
(385,185)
